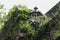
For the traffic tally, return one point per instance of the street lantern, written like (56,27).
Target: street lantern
(35,15)
(35,18)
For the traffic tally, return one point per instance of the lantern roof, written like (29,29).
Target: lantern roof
(36,12)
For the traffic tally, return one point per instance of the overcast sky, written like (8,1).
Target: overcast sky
(43,5)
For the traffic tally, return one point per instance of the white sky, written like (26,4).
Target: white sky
(43,5)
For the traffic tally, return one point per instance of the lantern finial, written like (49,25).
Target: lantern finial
(35,8)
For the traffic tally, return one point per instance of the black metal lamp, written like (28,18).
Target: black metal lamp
(35,18)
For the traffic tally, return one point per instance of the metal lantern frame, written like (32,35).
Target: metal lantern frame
(35,13)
